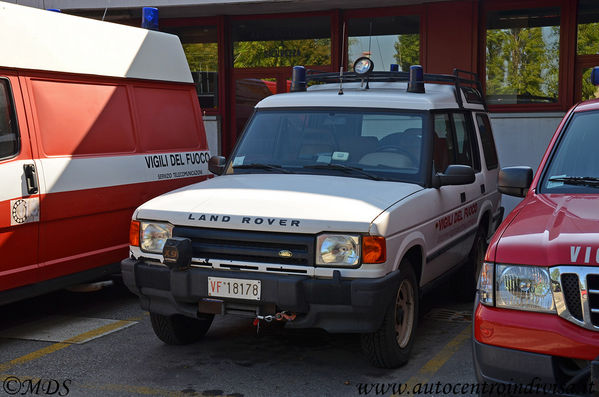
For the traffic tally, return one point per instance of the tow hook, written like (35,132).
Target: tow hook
(269,318)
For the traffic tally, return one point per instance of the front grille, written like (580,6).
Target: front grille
(248,246)
(572,295)
(593,289)
(576,294)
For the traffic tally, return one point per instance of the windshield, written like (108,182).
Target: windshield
(343,142)
(574,166)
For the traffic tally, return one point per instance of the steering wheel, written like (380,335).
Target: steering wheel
(395,149)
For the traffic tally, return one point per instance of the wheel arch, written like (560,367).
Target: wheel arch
(412,248)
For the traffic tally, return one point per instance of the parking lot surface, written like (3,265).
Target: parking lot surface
(101,344)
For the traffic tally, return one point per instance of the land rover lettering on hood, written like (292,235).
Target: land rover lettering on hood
(333,211)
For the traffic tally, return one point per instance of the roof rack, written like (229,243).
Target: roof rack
(470,86)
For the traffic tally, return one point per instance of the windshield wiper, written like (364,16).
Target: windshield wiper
(345,168)
(577,180)
(272,167)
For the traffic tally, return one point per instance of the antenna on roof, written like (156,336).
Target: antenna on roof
(369,54)
(342,58)
(105,9)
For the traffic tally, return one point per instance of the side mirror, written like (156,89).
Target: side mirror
(455,174)
(515,181)
(216,164)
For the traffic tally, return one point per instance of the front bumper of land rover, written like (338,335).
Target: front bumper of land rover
(335,304)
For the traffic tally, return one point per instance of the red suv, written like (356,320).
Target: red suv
(536,315)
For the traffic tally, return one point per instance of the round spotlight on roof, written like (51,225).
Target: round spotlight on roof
(363,66)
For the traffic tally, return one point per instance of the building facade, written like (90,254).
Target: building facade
(533,56)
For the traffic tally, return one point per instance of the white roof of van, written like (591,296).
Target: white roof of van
(380,95)
(45,40)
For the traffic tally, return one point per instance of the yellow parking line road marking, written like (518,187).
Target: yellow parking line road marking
(435,363)
(101,331)
(33,356)
(84,337)
(55,328)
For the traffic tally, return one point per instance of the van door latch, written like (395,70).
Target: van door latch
(31,178)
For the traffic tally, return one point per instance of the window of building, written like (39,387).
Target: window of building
(386,40)
(522,56)
(587,39)
(200,44)
(281,42)
(587,48)
(9,136)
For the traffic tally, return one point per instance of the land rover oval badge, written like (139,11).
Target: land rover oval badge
(285,254)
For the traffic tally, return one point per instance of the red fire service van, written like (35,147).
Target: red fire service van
(536,317)
(95,119)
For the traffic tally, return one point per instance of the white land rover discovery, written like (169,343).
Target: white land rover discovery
(340,205)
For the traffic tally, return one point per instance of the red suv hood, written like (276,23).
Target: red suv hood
(552,230)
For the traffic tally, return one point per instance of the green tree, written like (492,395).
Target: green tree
(523,62)
(588,44)
(202,57)
(407,50)
(282,53)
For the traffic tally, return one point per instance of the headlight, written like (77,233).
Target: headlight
(485,284)
(154,235)
(524,288)
(337,250)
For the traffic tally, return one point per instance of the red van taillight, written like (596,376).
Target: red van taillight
(134,234)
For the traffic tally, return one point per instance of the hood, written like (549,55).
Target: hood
(553,230)
(278,203)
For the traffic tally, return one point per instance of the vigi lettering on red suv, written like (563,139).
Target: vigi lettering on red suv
(341,203)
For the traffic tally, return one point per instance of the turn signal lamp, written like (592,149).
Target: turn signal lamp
(134,234)
(149,18)
(374,249)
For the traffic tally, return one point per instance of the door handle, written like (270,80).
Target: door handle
(463,197)
(31,178)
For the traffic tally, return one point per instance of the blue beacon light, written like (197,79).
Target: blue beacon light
(149,18)
(416,83)
(298,79)
(394,67)
(595,75)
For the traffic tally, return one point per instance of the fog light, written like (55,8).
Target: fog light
(177,253)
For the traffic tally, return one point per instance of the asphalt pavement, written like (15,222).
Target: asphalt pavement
(101,344)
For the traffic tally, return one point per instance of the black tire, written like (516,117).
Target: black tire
(466,278)
(180,330)
(391,344)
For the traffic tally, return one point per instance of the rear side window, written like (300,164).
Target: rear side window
(82,118)
(452,142)
(166,119)
(486,137)
(9,136)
